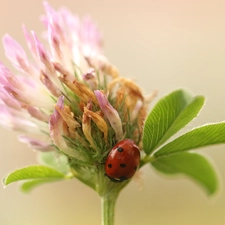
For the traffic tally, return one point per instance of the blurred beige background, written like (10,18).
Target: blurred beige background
(162,44)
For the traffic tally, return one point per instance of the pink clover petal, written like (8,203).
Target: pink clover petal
(9,100)
(37,114)
(89,75)
(30,41)
(90,78)
(30,96)
(54,19)
(14,120)
(72,22)
(4,74)
(20,96)
(90,37)
(36,144)
(8,79)
(42,54)
(56,132)
(62,70)
(55,91)
(15,53)
(60,102)
(48,9)
(47,65)
(54,43)
(111,114)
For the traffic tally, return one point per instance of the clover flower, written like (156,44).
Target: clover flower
(71,105)
(69,99)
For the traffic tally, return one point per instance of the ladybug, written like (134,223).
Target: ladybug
(122,161)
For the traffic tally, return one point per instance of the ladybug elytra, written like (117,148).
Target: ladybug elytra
(122,161)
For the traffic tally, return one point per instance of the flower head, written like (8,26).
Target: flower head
(71,99)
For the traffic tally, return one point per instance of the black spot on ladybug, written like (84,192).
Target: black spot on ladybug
(110,165)
(122,165)
(119,149)
(135,168)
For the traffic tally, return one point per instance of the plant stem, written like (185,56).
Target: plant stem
(147,159)
(108,202)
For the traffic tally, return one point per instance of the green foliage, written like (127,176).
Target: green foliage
(30,185)
(209,134)
(193,165)
(170,114)
(35,175)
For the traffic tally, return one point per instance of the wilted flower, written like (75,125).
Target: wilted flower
(71,99)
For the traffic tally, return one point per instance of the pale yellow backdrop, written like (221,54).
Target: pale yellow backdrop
(163,44)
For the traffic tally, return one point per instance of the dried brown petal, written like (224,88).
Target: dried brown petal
(86,126)
(67,116)
(99,121)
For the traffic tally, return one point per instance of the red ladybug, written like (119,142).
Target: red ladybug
(123,161)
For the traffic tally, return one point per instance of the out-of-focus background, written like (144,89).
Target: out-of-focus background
(162,45)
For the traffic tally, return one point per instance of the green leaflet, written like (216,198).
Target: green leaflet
(209,134)
(31,184)
(170,114)
(33,172)
(193,165)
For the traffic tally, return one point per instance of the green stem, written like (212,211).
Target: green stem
(147,159)
(108,208)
